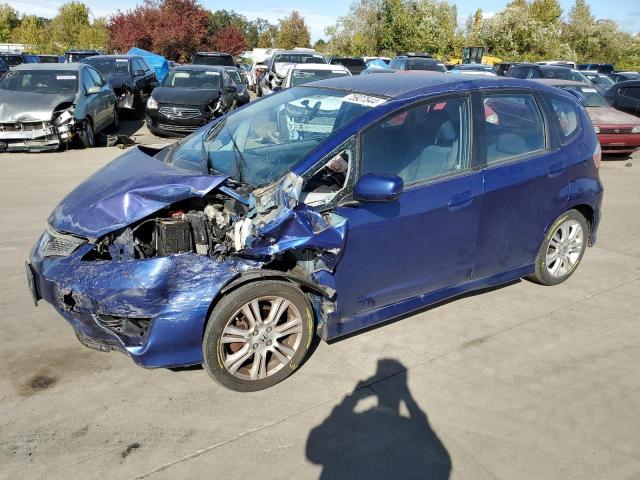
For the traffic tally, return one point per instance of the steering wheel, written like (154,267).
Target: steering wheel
(313,112)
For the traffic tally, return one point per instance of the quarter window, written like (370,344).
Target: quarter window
(514,126)
(568,117)
(420,143)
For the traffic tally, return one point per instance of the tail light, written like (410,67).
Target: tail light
(597,155)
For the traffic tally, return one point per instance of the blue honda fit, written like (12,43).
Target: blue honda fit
(324,208)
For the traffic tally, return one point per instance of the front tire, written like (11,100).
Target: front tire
(87,136)
(562,249)
(257,335)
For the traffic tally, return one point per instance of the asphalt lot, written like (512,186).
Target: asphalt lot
(520,382)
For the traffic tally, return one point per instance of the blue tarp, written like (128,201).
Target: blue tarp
(377,63)
(157,62)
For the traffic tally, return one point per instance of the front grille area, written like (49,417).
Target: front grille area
(23,126)
(615,130)
(59,245)
(179,112)
(178,128)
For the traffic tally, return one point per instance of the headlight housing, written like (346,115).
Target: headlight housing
(597,129)
(636,129)
(152,104)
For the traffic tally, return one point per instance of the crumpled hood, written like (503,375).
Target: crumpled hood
(185,96)
(124,191)
(610,116)
(29,107)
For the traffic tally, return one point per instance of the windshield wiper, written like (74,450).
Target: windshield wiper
(239,157)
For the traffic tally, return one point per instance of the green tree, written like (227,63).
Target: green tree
(32,32)
(546,11)
(66,27)
(293,32)
(8,21)
(267,38)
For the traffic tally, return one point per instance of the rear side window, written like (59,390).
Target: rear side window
(420,143)
(514,126)
(633,92)
(568,117)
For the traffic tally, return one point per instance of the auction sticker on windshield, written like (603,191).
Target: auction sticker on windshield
(211,73)
(366,100)
(65,77)
(121,60)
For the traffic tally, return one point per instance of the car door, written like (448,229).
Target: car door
(108,99)
(628,100)
(93,102)
(525,177)
(425,240)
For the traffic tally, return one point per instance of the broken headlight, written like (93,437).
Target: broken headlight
(55,244)
(152,104)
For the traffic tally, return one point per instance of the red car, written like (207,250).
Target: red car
(618,132)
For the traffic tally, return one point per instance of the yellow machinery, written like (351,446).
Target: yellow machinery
(471,54)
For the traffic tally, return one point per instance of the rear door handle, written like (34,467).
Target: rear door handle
(460,200)
(555,168)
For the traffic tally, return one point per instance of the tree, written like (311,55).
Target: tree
(221,19)
(293,32)
(31,31)
(65,28)
(267,38)
(8,21)
(546,11)
(231,40)
(173,28)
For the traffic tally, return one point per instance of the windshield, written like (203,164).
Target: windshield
(563,73)
(40,81)
(263,141)
(297,58)
(193,79)
(12,60)
(298,77)
(224,60)
(591,97)
(423,64)
(601,81)
(235,76)
(109,66)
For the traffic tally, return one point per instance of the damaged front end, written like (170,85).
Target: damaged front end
(139,269)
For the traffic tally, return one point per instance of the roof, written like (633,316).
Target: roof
(561,83)
(63,67)
(419,83)
(214,54)
(114,56)
(202,68)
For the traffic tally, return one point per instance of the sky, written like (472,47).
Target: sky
(321,14)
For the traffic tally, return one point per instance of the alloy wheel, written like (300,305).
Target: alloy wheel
(565,247)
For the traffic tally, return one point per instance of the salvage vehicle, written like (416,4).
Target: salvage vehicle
(320,209)
(131,78)
(618,132)
(46,106)
(301,73)
(354,64)
(188,98)
(50,59)
(213,58)
(625,96)
(255,75)
(242,92)
(18,58)
(605,68)
(559,72)
(278,65)
(72,56)
(412,62)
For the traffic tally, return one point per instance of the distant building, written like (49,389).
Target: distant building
(12,47)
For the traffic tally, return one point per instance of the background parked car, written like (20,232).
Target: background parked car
(18,58)
(77,55)
(605,68)
(625,96)
(4,68)
(131,78)
(278,65)
(618,132)
(412,62)
(529,70)
(354,64)
(599,80)
(242,94)
(623,76)
(301,73)
(45,106)
(502,68)
(213,58)
(50,59)
(188,98)
(473,69)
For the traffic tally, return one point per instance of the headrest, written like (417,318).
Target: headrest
(511,144)
(446,133)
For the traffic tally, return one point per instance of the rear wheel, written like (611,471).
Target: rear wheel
(257,335)
(562,249)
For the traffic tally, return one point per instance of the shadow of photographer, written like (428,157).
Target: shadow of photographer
(379,442)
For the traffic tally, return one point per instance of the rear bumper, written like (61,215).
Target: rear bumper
(619,142)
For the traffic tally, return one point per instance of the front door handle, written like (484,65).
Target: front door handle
(460,200)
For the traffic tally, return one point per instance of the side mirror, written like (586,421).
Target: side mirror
(378,187)
(93,90)
(139,73)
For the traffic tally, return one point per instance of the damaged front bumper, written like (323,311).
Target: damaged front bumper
(153,309)
(36,136)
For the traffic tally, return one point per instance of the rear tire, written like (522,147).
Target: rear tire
(257,335)
(562,249)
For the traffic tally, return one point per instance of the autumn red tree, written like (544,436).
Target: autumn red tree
(231,40)
(172,28)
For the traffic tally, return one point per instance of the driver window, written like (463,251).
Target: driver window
(87,80)
(331,178)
